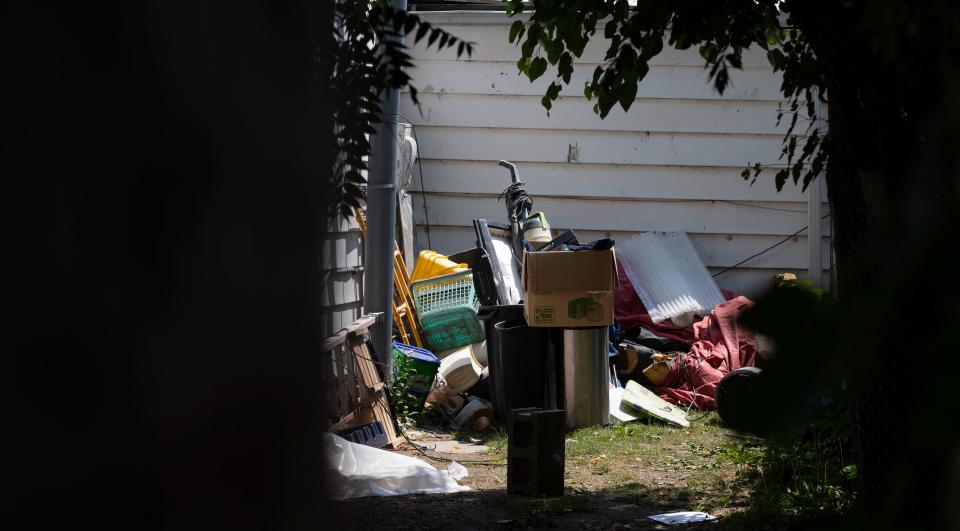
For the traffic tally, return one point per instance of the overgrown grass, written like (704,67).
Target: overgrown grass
(804,482)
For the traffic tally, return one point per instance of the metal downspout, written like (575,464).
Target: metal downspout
(381,219)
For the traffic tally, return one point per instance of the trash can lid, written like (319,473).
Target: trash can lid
(417,353)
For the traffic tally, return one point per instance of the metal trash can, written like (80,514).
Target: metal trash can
(586,377)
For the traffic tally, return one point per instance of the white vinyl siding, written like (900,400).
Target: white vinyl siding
(672,163)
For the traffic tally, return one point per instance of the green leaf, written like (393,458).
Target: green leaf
(554,48)
(421,31)
(533,36)
(628,93)
(546,102)
(776,59)
(642,70)
(621,9)
(523,64)
(781,179)
(610,29)
(411,23)
(516,29)
(553,91)
(720,81)
(565,68)
(537,67)
(709,51)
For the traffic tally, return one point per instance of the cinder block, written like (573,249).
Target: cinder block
(535,448)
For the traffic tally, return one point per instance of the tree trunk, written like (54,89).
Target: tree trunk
(892,179)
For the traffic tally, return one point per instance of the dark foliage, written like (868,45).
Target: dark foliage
(369,57)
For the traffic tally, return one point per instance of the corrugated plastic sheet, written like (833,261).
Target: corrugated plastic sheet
(668,275)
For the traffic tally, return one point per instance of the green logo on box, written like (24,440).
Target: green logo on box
(543,314)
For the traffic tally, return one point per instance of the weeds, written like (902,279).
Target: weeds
(797,480)
(403,403)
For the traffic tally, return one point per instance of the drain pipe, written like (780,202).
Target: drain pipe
(382,218)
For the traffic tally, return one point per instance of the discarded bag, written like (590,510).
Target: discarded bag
(360,471)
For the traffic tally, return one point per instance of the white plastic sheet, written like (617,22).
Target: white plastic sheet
(669,276)
(360,471)
(682,517)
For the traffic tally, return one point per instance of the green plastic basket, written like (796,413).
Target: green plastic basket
(454,328)
(440,294)
(447,308)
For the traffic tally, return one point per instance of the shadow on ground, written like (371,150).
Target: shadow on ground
(626,507)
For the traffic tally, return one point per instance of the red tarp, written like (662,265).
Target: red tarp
(718,345)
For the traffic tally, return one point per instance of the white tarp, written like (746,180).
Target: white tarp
(360,471)
(669,276)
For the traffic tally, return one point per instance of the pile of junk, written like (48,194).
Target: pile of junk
(539,332)
(532,318)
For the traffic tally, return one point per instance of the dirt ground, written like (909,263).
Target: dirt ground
(615,478)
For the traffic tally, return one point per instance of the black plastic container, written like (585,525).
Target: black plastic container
(523,368)
(490,316)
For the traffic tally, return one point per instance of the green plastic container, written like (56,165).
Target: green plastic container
(425,365)
(433,296)
(447,308)
(454,328)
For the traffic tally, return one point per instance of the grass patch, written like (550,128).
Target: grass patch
(496,440)
(683,453)
(649,442)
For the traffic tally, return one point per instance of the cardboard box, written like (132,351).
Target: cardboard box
(565,289)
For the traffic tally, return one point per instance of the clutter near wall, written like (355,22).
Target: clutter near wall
(543,333)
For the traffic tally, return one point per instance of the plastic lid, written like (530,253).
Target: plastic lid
(416,353)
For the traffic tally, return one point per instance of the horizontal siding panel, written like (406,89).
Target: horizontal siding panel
(605,180)
(341,288)
(525,112)
(339,250)
(752,283)
(474,77)
(332,320)
(690,149)
(492,44)
(716,250)
(634,216)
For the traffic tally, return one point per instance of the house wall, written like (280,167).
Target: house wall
(672,163)
(341,261)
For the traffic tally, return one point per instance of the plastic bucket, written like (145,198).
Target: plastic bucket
(433,264)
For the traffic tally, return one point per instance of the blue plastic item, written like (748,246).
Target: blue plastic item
(370,434)
(425,366)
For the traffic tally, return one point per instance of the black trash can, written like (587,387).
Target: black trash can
(490,316)
(525,368)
